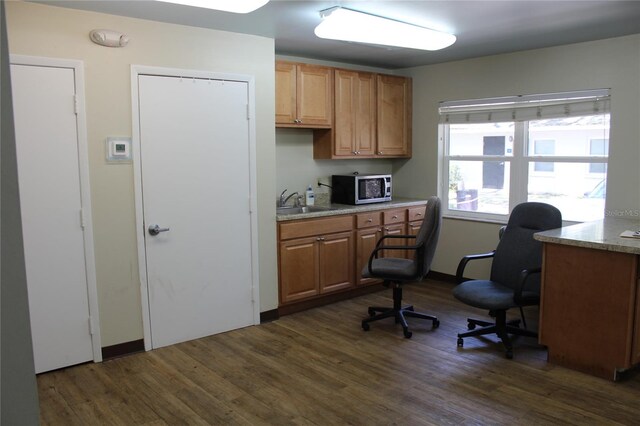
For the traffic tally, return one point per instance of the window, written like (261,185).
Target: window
(543,147)
(496,153)
(598,147)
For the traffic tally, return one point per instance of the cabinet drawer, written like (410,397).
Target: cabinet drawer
(416,213)
(306,228)
(365,220)
(394,216)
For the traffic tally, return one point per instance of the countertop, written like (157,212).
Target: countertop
(338,209)
(600,235)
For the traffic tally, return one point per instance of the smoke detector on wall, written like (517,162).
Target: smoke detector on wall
(109,38)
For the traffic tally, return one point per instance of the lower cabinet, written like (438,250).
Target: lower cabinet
(589,309)
(369,231)
(317,257)
(315,265)
(394,223)
(336,262)
(415,216)
(299,269)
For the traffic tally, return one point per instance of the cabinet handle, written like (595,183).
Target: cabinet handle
(394,217)
(418,214)
(379,152)
(369,220)
(320,239)
(387,229)
(297,121)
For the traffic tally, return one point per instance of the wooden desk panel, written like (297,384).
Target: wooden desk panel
(588,311)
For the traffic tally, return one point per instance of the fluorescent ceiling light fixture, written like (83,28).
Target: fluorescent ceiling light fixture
(339,23)
(235,6)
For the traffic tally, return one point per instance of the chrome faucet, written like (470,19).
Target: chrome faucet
(283,200)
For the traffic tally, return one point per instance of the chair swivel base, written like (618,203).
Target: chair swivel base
(501,327)
(398,313)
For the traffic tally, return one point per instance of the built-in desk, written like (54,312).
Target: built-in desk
(590,302)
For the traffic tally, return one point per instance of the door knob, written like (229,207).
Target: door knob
(155,229)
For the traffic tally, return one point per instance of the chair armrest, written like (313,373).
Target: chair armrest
(524,276)
(463,263)
(386,237)
(379,247)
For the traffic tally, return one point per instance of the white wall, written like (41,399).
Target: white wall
(612,63)
(42,30)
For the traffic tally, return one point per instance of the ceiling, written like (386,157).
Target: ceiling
(482,27)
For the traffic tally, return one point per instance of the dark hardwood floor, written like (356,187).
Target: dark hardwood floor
(319,367)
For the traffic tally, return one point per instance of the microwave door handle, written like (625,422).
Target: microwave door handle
(386,187)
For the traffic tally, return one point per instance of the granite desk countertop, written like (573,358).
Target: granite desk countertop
(338,209)
(600,235)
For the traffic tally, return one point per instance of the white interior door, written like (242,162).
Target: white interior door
(195,172)
(51,201)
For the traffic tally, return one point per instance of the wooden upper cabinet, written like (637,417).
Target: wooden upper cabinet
(394,116)
(304,95)
(355,114)
(372,118)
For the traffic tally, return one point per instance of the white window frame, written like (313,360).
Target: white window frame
(520,158)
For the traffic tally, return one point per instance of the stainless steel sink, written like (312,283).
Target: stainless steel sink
(299,210)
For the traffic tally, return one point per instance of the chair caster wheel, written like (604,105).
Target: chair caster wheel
(509,354)
(460,342)
(371,312)
(408,334)
(471,326)
(365,326)
(436,324)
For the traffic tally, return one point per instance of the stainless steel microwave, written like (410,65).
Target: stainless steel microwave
(360,189)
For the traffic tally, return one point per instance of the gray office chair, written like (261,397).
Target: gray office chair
(514,281)
(397,271)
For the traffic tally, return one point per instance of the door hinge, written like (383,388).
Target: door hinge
(82,218)
(76,104)
(92,326)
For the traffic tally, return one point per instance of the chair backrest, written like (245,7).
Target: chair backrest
(428,236)
(517,249)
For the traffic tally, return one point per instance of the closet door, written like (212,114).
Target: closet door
(52,209)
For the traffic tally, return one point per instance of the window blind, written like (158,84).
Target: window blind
(526,107)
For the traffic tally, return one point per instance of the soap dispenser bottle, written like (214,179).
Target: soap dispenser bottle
(310,197)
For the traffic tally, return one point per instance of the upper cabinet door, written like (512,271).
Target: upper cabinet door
(394,116)
(344,126)
(365,114)
(304,95)
(315,100)
(285,92)
(355,114)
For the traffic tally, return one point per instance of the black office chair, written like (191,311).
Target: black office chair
(397,271)
(514,281)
